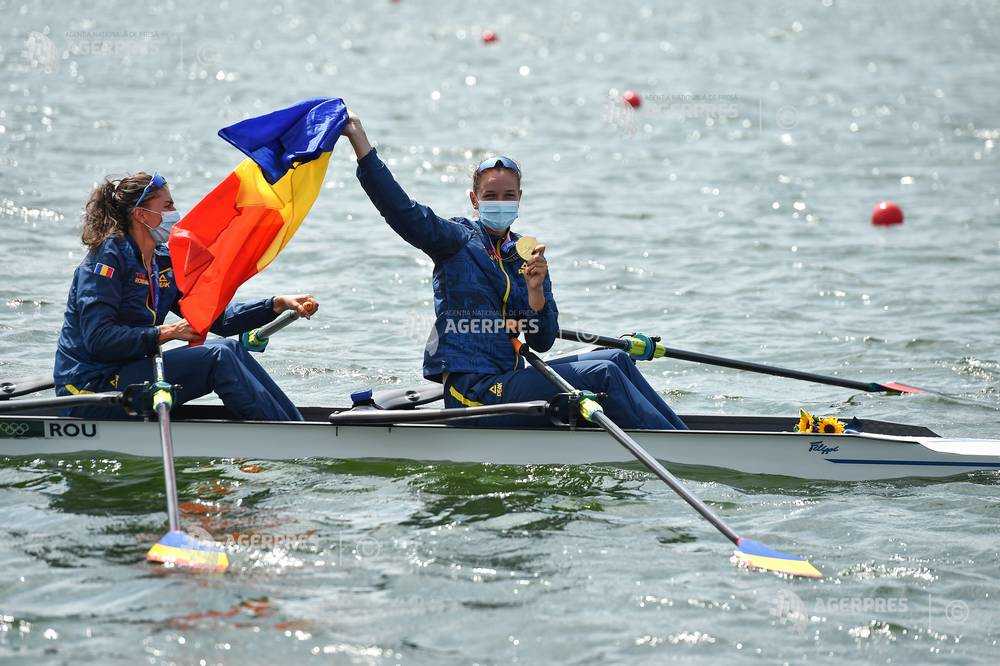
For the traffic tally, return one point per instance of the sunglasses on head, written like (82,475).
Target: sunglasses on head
(155,183)
(501,161)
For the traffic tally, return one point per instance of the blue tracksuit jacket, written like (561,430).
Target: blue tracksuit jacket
(111,319)
(474,292)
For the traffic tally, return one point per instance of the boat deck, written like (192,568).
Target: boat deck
(706,422)
(428,393)
(711,422)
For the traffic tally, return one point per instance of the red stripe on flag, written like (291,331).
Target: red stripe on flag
(215,249)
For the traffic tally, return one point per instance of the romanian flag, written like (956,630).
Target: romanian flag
(242,225)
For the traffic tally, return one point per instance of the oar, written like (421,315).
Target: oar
(257,339)
(177,548)
(638,345)
(62,402)
(749,553)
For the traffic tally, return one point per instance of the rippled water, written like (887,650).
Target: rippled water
(729,214)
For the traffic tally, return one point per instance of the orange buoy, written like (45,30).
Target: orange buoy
(886,213)
(489,37)
(632,98)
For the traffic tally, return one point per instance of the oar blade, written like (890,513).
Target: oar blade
(755,555)
(896,387)
(902,388)
(181,550)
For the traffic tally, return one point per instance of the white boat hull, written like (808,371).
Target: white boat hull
(830,457)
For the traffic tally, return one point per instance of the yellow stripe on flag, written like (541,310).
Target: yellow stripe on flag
(292,197)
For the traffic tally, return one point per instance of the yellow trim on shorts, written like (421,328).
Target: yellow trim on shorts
(462,399)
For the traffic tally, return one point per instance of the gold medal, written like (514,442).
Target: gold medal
(525,246)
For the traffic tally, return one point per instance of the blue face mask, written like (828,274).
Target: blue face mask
(497,215)
(168,219)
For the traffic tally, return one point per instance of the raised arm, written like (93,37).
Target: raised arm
(415,223)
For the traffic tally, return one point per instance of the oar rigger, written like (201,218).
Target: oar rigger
(567,407)
(134,399)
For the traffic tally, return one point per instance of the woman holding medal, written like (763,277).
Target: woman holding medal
(491,284)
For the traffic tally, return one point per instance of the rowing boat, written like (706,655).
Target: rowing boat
(749,444)
(400,424)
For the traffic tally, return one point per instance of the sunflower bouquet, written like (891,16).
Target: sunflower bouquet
(827,425)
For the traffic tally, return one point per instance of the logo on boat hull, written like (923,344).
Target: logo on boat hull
(821,448)
(46,429)
(21,429)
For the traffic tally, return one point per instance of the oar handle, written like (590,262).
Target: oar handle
(280,322)
(257,339)
(635,346)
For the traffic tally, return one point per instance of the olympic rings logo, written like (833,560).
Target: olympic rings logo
(14,429)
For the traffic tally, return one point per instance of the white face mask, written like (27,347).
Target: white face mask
(497,215)
(168,219)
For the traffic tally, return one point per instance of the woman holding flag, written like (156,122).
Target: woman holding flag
(491,285)
(120,295)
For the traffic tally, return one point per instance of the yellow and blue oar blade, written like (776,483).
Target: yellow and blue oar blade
(755,555)
(177,549)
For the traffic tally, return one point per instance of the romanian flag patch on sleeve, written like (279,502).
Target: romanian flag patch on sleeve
(104,270)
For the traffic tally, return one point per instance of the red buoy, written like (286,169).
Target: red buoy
(632,98)
(886,213)
(489,37)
